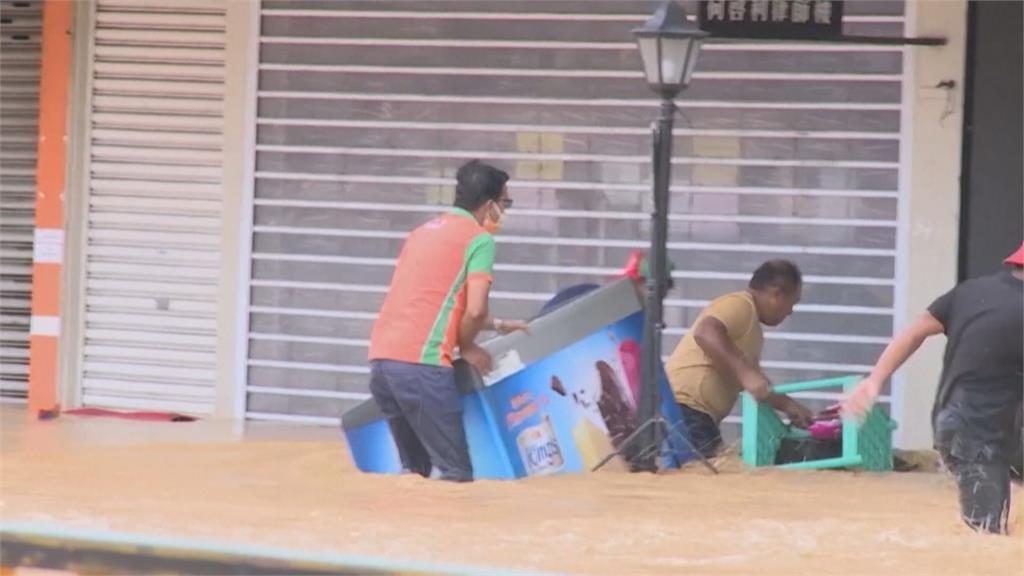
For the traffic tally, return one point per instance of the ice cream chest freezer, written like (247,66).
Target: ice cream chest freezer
(559,399)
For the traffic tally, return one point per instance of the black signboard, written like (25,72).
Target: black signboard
(772,19)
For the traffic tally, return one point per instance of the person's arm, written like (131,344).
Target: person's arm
(506,326)
(799,415)
(475,318)
(895,354)
(479,260)
(479,267)
(713,338)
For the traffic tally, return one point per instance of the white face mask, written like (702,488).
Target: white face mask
(492,223)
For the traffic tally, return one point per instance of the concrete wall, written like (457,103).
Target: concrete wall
(933,121)
(236,233)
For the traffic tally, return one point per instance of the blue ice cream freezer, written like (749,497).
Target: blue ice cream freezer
(560,398)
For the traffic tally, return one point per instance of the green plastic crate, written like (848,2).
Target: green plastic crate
(867,446)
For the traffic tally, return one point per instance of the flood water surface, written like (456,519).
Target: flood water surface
(294,488)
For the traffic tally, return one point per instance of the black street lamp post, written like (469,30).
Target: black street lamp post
(669,45)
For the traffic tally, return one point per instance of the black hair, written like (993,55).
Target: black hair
(781,274)
(477,183)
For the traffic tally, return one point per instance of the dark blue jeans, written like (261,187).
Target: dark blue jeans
(981,469)
(702,431)
(424,412)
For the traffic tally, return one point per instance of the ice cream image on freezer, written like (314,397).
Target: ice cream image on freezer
(592,443)
(629,358)
(589,434)
(618,413)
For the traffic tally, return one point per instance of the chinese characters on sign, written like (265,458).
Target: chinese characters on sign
(775,19)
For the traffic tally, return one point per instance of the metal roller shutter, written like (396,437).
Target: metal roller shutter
(20,30)
(366,109)
(154,212)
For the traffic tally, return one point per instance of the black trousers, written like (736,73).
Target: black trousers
(984,489)
(981,467)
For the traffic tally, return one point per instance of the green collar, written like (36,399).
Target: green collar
(464,213)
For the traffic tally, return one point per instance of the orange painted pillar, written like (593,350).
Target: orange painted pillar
(48,254)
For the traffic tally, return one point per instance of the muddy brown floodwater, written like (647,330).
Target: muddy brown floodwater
(287,486)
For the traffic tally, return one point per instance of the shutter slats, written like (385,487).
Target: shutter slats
(161,55)
(155,105)
(20,29)
(161,38)
(146,288)
(153,256)
(361,106)
(158,139)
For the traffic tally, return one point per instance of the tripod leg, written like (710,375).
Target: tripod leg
(659,438)
(649,451)
(663,434)
(622,447)
(653,449)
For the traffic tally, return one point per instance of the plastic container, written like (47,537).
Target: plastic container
(867,445)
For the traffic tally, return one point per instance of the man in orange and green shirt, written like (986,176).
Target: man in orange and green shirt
(437,301)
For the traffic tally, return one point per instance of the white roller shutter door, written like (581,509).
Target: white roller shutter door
(366,109)
(20,32)
(154,213)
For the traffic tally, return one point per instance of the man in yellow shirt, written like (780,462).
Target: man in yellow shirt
(721,355)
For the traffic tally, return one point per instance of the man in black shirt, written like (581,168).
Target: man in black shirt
(980,394)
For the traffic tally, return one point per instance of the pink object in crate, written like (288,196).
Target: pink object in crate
(827,425)
(826,429)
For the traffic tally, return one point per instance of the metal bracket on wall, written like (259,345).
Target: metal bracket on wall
(897,41)
(876,40)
